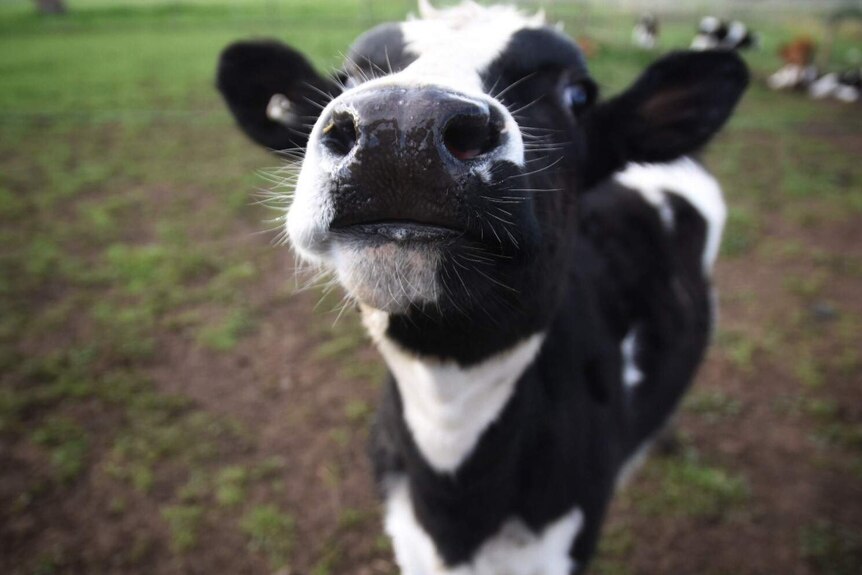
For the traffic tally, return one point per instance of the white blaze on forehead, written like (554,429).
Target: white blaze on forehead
(455,45)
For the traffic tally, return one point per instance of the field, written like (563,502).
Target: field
(171,402)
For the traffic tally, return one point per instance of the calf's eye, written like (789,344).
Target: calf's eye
(576,97)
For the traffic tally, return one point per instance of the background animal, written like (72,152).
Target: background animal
(717,34)
(799,69)
(534,265)
(646,32)
(800,72)
(845,86)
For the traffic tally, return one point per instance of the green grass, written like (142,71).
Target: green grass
(327,564)
(741,348)
(808,369)
(358,411)
(67,443)
(163,429)
(712,405)
(224,335)
(688,487)
(133,77)
(614,549)
(184,522)
(740,232)
(231,484)
(270,532)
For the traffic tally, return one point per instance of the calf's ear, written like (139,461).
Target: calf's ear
(674,108)
(274,93)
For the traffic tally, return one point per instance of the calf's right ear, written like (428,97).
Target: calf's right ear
(274,93)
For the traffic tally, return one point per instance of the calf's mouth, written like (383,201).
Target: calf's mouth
(397,230)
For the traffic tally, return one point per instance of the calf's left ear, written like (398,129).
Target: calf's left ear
(674,108)
(274,93)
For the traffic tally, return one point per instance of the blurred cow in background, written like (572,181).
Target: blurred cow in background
(798,71)
(717,34)
(646,31)
(845,86)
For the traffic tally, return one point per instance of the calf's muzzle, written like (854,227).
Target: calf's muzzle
(408,155)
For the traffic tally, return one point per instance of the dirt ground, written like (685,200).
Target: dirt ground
(309,412)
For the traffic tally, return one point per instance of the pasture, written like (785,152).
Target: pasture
(172,402)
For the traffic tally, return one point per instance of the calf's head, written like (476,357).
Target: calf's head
(442,164)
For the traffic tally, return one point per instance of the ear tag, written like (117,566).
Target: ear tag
(279,109)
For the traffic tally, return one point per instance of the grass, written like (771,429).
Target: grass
(68,445)
(224,335)
(740,232)
(231,484)
(270,532)
(614,548)
(712,405)
(688,487)
(741,348)
(184,522)
(358,411)
(809,370)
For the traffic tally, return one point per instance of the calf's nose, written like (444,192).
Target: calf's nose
(430,126)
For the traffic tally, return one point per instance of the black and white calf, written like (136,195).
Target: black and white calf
(844,86)
(533,265)
(716,34)
(646,31)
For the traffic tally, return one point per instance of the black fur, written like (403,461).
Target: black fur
(251,73)
(377,52)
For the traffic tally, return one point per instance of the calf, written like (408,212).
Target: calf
(716,34)
(533,265)
(845,86)
(646,31)
(798,71)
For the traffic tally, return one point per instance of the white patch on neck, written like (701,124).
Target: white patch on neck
(689,180)
(513,550)
(447,407)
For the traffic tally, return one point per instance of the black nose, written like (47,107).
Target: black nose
(339,134)
(472,132)
(428,126)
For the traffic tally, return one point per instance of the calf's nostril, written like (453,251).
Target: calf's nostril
(339,133)
(468,136)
